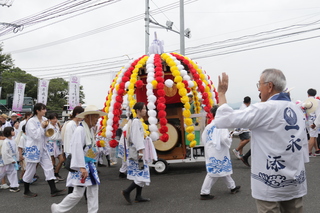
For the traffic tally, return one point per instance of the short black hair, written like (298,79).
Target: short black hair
(52,116)
(312,92)
(7,131)
(39,107)
(213,110)
(247,100)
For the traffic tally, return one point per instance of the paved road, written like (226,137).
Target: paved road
(174,192)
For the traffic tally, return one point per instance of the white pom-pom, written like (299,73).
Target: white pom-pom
(152,120)
(150,70)
(152,112)
(186,78)
(190,84)
(151,106)
(180,67)
(127,84)
(149,92)
(153,128)
(149,86)
(152,98)
(109,134)
(150,79)
(109,128)
(154,136)
(110,115)
(168,83)
(109,122)
(183,73)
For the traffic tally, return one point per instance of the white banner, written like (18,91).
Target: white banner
(18,96)
(74,95)
(43,86)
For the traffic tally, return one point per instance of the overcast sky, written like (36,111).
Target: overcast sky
(210,21)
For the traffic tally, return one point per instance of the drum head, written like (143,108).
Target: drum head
(173,139)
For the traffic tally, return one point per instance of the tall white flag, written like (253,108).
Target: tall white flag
(74,94)
(43,86)
(18,96)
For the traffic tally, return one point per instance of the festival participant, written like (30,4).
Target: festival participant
(54,145)
(4,120)
(67,131)
(137,166)
(14,118)
(279,143)
(36,151)
(218,163)
(10,156)
(83,152)
(26,117)
(69,128)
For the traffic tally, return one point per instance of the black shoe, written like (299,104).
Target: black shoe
(245,161)
(141,199)
(122,175)
(206,197)
(58,193)
(30,194)
(126,196)
(101,165)
(235,190)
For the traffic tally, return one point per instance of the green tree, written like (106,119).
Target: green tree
(6,62)
(18,75)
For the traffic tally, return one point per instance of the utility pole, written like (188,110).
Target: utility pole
(182,42)
(147,22)
(183,32)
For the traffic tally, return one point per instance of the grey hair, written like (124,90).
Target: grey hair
(276,77)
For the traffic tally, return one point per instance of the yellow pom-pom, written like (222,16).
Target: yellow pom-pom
(103,134)
(202,77)
(187,105)
(188,121)
(193,144)
(132,103)
(175,72)
(133,80)
(180,85)
(183,92)
(102,143)
(191,137)
(195,84)
(177,79)
(184,99)
(186,113)
(190,129)
(154,84)
(117,87)
(131,86)
(139,65)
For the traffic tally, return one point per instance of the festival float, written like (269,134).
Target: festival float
(163,82)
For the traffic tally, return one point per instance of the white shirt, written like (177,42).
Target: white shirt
(279,146)
(70,128)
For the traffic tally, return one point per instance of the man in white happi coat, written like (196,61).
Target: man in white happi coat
(279,143)
(84,152)
(36,151)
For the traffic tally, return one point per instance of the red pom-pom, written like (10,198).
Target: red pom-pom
(201,88)
(205,101)
(158,74)
(159,79)
(163,121)
(117,105)
(158,69)
(125,79)
(101,122)
(161,92)
(116,119)
(163,129)
(188,89)
(185,83)
(119,99)
(113,143)
(139,84)
(160,86)
(204,95)
(161,106)
(128,73)
(116,112)
(122,85)
(207,108)
(162,114)
(196,76)
(161,100)
(164,137)
(121,92)
(157,63)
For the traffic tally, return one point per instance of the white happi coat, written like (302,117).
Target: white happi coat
(136,134)
(36,140)
(68,132)
(54,144)
(78,153)
(9,151)
(279,146)
(1,160)
(217,143)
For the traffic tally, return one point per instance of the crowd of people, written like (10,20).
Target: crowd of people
(282,133)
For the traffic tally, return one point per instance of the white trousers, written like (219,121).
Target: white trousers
(123,168)
(11,173)
(45,163)
(72,199)
(209,181)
